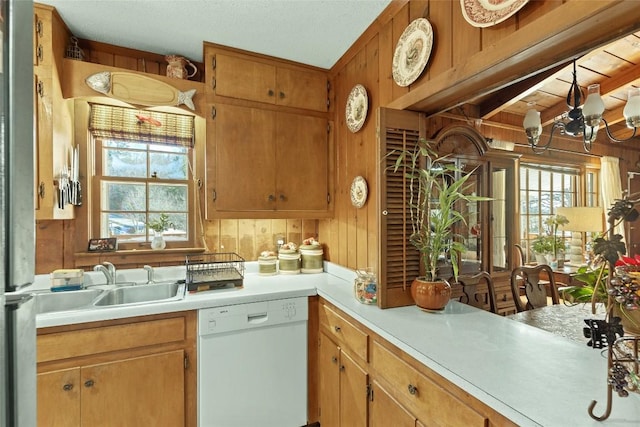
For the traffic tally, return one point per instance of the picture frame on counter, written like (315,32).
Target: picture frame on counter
(104,244)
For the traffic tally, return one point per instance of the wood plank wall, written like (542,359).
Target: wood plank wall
(352,234)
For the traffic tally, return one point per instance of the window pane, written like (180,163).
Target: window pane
(121,196)
(124,226)
(125,163)
(167,197)
(168,166)
(124,144)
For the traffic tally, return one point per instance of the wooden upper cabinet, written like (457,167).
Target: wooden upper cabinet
(267,81)
(267,163)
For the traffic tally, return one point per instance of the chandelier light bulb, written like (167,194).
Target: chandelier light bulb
(533,124)
(632,109)
(593,107)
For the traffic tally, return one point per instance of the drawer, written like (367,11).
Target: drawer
(345,333)
(424,398)
(83,342)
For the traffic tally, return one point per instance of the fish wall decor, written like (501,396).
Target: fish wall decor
(141,90)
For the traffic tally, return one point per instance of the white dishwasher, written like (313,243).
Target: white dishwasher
(252,364)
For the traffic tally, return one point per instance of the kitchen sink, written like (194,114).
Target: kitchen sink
(155,292)
(47,302)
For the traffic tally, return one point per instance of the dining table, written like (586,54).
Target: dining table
(564,319)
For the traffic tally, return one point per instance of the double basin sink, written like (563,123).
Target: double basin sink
(108,296)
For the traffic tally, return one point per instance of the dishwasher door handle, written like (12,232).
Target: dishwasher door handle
(257,318)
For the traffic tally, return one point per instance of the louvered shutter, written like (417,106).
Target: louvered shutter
(399,261)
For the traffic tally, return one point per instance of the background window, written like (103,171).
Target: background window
(545,188)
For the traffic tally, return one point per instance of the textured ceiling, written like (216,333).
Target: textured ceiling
(314,32)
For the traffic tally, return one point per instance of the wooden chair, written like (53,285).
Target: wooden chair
(535,288)
(522,260)
(478,291)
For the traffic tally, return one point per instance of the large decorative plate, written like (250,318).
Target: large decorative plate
(412,52)
(357,106)
(485,13)
(359,192)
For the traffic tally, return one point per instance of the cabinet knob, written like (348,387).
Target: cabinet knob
(412,389)
(337,328)
(67,387)
(88,383)
(272,198)
(270,92)
(282,198)
(281,95)
(334,359)
(342,368)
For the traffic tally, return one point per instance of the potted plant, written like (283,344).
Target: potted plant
(159,225)
(437,187)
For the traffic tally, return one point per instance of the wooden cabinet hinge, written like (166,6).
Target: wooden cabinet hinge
(39,27)
(213,112)
(213,83)
(186,361)
(213,62)
(215,195)
(369,393)
(328,198)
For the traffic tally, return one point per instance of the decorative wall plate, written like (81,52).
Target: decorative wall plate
(485,13)
(357,106)
(412,52)
(359,192)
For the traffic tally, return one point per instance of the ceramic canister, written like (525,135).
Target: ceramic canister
(267,264)
(289,261)
(311,258)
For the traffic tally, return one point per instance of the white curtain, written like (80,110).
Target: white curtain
(611,185)
(499,220)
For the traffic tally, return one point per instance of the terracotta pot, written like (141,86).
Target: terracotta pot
(430,295)
(630,320)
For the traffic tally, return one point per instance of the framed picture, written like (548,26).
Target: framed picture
(103,244)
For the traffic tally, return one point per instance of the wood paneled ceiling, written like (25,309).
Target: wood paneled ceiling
(616,67)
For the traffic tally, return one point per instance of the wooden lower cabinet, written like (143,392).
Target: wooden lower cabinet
(386,411)
(109,380)
(343,387)
(400,391)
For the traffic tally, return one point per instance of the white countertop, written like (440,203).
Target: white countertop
(527,374)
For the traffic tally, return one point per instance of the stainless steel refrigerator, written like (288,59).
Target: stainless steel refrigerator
(17,225)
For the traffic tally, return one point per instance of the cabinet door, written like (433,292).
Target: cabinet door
(245,160)
(142,391)
(301,89)
(42,40)
(353,393)
(302,156)
(329,380)
(44,194)
(386,411)
(59,398)
(241,78)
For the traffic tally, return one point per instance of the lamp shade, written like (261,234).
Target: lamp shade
(583,219)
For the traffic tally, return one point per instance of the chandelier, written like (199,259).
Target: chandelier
(581,120)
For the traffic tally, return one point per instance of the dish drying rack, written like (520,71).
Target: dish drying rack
(214,271)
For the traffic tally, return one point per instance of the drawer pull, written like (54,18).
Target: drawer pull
(413,390)
(337,328)
(67,387)
(88,383)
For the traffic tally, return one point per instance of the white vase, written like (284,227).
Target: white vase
(158,241)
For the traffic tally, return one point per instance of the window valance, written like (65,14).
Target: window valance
(111,122)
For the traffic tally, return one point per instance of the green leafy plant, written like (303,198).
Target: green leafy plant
(437,187)
(160,224)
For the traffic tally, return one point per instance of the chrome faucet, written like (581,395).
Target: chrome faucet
(111,268)
(149,273)
(106,272)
